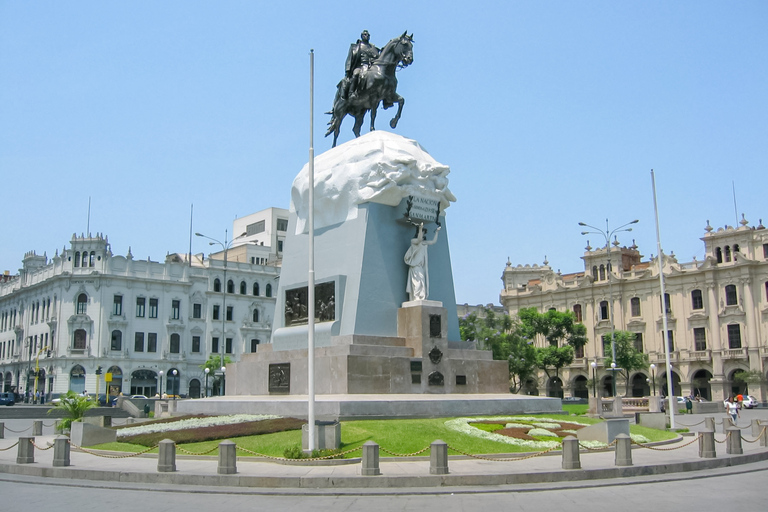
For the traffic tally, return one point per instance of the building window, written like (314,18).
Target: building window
(77,259)
(638,341)
(254,344)
(215,311)
(727,253)
(215,345)
(634,304)
(228,346)
(230,286)
(175,309)
(152,308)
(668,308)
(577,312)
(607,345)
(197,311)
(670,341)
(734,336)
(578,352)
(602,272)
(117,305)
(279,246)
(604,310)
(152,342)
(697,300)
(196,344)
(256,289)
(765,251)
(80,337)
(282,224)
(91,263)
(117,340)
(85,259)
(175,347)
(719,255)
(594,272)
(766,290)
(255,228)
(255,315)
(229,313)
(731,297)
(140,303)
(138,342)
(82,304)
(216,285)
(243,288)
(699,338)
(269,290)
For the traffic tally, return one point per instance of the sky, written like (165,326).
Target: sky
(547,112)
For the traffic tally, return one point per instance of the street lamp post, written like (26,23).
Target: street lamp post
(593,364)
(223,380)
(653,378)
(608,234)
(207,371)
(161,383)
(175,383)
(225,246)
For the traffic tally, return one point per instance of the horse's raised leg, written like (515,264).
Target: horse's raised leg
(373,116)
(400,102)
(358,124)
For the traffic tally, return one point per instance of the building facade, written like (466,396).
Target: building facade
(88,320)
(717,315)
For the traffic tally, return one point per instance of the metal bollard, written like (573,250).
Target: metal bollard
(709,423)
(571,458)
(733,442)
(623,450)
(2,430)
(166,456)
(37,428)
(370,459)
(227,458)
(707,444)
(438,458)
(61,451)
(26,452)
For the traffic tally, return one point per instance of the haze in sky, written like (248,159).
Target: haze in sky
(548,113)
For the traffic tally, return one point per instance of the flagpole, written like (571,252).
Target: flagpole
(671,399)
(311,276)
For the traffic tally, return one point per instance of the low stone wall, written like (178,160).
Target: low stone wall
(85,434)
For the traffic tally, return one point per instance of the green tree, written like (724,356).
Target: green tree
(74,407)
(553,358)
(214,363)
(628,359)
(745,378)
(556,327)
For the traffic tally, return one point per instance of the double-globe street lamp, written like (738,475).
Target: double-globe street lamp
(161,383)
(225,246)
(207,371)
(607,234)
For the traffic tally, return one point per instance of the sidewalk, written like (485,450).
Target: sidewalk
(398,474)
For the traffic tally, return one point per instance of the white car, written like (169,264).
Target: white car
(749,402)
(139,396)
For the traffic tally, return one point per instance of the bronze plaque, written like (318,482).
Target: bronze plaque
(435,326)
(280,378)
(296,304)
(436,379)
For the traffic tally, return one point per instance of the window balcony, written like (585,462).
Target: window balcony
(734,353)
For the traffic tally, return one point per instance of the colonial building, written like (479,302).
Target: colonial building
(90,320)
(717,314)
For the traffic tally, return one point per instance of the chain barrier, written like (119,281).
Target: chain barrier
(537,454)
(724,440)
(91,452)
(589,449)
(742,428)
(49,426)
(669,449)
(689,426)
(755,439)
(18,431)
(6,449)
(48,446)
(182,450)
(309,459)
(403,454)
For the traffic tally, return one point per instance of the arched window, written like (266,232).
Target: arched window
(602,272)
(85,259)
(735,251)
(577,312)
(604,310)
(230,286)
(727,253)
(719,255)
(175,343)
(117,340)
(269,290)
(256,289)
(216,285)
(634,304)
(668,308)
(77,379)
(243,288)
(697,300)
(77,259)
(254,344)
(92,261)
(82,304)
(594,272)
(731,297)
(79,341)
(255,315)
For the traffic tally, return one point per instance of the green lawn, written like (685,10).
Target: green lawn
(399,436)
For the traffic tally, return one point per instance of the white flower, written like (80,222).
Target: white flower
(462,425)
(639,438)
(516,425)
(546,425)
(541,432)
(193,423)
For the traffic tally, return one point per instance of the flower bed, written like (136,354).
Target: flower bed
(528,431)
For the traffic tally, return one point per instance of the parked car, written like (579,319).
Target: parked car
(7,399)
(107,401)
(139,396)
(749,402)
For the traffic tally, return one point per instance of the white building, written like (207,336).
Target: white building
(717,313)
(86,311)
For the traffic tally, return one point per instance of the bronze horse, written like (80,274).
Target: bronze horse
(378,85)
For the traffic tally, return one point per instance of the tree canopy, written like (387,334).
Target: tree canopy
(628,359)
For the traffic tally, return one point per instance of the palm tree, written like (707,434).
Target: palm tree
(74,407)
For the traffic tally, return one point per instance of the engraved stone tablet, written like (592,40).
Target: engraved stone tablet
(435,326)
(280,378)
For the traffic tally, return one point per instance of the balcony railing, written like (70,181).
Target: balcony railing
(734,353)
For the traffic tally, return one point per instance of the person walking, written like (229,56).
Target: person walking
(732,408)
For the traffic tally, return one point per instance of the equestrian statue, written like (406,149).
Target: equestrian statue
(369,79)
